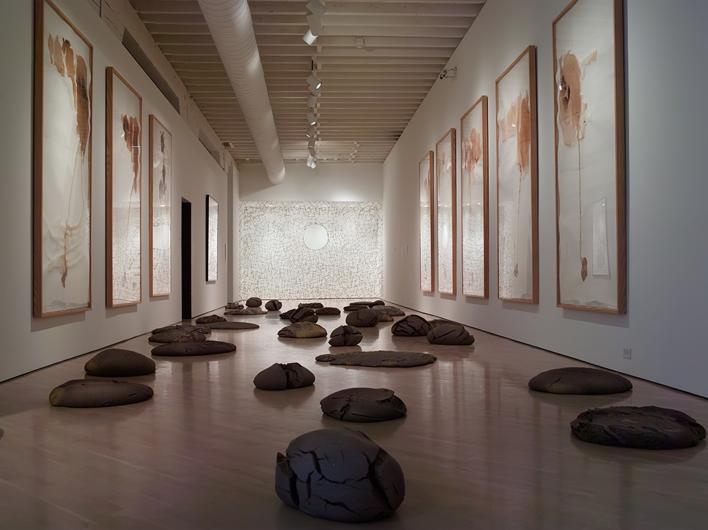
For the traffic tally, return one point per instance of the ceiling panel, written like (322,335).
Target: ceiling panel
(377,60)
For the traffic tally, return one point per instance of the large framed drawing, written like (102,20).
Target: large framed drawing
(63,97)
(212,239)
(160,208)
(475,200)
(588,56)
(124,126)
(446,211)
(426,172)
(517,181)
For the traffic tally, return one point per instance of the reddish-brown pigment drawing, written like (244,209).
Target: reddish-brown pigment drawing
(73,66)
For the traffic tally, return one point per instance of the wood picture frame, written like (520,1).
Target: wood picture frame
(589,92)
(518,120)
(61,228)
(160,209)
(123,285)
(446,212)
(426,220)
(474,152)
(212,239)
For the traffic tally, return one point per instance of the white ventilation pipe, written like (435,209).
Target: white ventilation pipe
(231,27)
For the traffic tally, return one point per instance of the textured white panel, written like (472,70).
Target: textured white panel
(276,262)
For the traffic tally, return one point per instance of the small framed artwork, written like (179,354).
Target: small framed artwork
(426,179)
(124,127)
(446,210)
(160,208)
(588,58)
(212,239)
(61,213)
(517,181)
(475,200)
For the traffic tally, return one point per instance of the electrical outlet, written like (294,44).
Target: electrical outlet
(627,353)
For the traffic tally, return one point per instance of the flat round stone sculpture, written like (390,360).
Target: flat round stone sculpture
(116,362)
(638,428)
(363,318)
(233,326)
(345,336)
(363,405)
(339,475)
(411,326)
(254,301)
(328,312)
(580,380)
(189,349)
(89,393)
(180,335)
(311,305)
(350,308)
(234,305)
(450,335)
(286,315)
(273,305)
(440,322)
(283,377)
(182,327)
(389,310)
(302,330)
(247,311)
(210,319)
(304,314)
(378,359)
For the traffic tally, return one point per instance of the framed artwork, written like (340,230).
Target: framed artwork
(475,200)
(517,181)
(61,216)
(446,209)
(588,58)
(160,207)
(124,125)
(426,172)
(212,239)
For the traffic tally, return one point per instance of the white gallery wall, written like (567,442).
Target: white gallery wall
(31,343)
(664,329)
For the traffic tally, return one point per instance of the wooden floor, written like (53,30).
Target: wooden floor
(479,451)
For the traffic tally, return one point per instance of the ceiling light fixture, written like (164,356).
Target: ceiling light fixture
(313,81)
(311,118)
(314,21)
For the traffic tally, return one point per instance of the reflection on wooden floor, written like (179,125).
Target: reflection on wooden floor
(479,451)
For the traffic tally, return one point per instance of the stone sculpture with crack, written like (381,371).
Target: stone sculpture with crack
(339,475)
(363,405)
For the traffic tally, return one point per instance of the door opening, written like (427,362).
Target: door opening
(186,259)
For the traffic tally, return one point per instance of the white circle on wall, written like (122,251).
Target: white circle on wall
(315,237)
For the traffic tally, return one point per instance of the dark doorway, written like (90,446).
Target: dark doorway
(186,259)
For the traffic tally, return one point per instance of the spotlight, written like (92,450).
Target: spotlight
(314,20)
(311,118)
(314,81)
(309,38)
(311,162)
